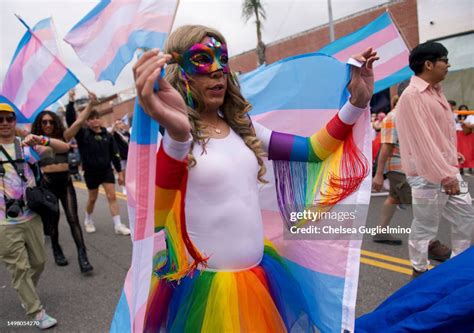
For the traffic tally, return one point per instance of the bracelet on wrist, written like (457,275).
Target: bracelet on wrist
(45,141)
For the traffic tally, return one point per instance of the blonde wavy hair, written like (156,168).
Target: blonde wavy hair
(235,107)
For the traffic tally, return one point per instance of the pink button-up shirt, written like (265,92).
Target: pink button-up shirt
(427,133)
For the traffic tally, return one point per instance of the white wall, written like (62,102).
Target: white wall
(449,17)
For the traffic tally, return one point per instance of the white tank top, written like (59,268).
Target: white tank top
(223,215)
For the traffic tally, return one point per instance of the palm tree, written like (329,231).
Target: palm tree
(249,9)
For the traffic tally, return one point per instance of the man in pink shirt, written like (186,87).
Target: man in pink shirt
(429,157)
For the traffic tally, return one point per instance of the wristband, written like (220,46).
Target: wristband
(45,141)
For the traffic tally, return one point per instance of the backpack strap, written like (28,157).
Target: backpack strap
(18,164)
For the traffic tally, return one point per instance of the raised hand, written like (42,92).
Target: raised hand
(72,95)
(165,106)
(93,101)
(361,86)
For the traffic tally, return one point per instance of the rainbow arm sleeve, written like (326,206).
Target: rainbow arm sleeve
(320,145)
(170,192)
(324,168)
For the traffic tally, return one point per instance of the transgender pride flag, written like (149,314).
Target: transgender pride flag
(107,37)
(383,36)
(36,78)
(45,31)
(299,95)
(144,141)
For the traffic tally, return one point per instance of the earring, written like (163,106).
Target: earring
(189,98)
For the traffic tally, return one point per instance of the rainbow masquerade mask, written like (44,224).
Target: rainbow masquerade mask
(204,58)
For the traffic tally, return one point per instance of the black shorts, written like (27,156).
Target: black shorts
(93,180)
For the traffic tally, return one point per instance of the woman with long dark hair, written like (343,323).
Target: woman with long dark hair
(57,179)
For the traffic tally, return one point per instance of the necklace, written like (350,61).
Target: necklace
(216,129)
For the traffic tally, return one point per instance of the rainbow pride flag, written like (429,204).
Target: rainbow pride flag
(107,37)
(36,77)
(381,34)
(298,95)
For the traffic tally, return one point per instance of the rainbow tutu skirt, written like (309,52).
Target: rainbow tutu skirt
(266,298)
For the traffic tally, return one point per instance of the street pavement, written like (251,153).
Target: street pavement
(87,303)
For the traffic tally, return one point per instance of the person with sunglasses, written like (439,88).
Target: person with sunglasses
(98,151)
(430,159)
(57,180)
(218,273)
(21,230)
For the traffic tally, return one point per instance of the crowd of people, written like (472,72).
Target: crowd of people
(204,123)
(49,157)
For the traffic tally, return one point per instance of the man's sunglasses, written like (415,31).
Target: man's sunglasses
(46,122)
(443,59)
(7,119)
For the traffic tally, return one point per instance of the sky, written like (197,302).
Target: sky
(283,18)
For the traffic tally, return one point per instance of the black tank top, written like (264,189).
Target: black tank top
(56,159)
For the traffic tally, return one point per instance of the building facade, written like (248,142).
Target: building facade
(452,24)
(404,13)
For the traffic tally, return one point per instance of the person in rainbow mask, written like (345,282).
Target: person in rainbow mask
(212,154)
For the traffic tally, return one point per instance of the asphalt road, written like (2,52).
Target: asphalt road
(87,303)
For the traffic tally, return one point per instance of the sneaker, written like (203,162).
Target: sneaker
(121,229)
(89,226)
(402,207)
(417,273)
(386,239)
(438,251)
(45,320)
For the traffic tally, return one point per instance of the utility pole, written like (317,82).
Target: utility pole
(331,23)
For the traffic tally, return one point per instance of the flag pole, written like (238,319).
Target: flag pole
(85,88)
(54,55)
(174,16)
(399,30)
(331,22)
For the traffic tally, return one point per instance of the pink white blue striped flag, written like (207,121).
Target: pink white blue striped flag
(45,31)
(381,34)
(36,78)
(107,37)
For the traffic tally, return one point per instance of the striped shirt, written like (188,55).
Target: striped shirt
(427,133)
(389,135)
